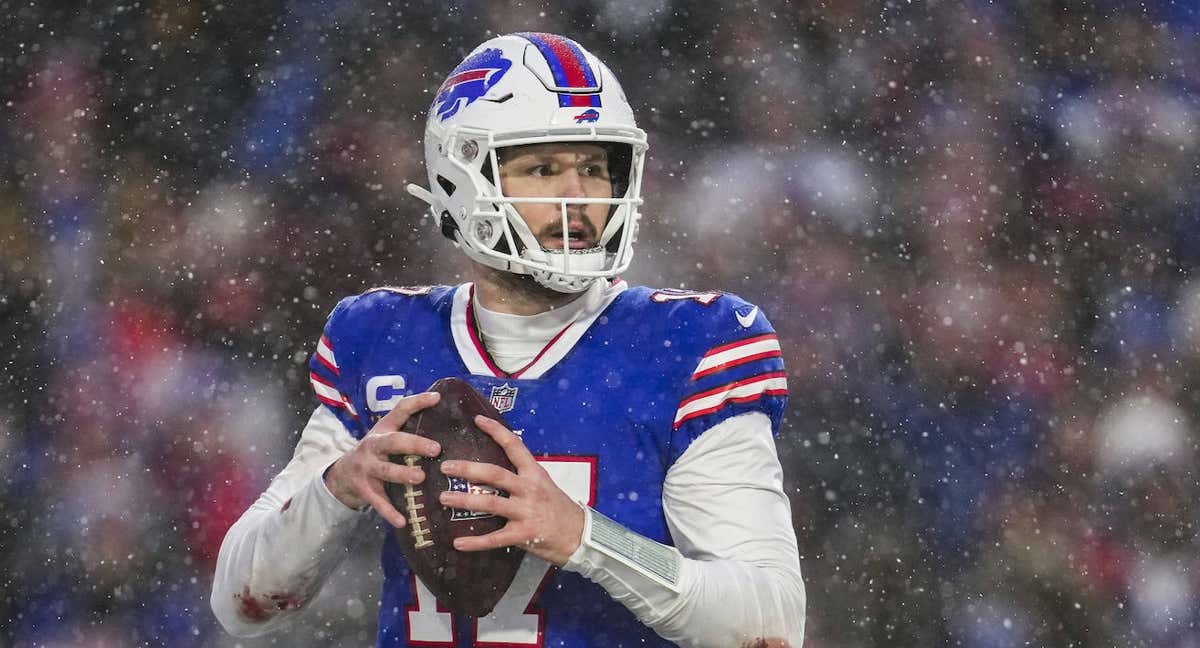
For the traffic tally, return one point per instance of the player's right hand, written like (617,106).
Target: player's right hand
(356,479)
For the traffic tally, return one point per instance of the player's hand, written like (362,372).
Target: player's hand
(542,519)
(356,479)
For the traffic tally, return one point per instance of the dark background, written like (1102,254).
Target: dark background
(974,225)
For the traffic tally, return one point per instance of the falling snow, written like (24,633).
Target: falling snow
(973,224)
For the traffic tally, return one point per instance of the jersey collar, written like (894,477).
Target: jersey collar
(469,342)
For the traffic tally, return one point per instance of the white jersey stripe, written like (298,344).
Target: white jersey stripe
(324,389)
(741,391)
(325,355)
(731,356)
(329,395)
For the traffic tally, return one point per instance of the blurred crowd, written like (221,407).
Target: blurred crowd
(974,224)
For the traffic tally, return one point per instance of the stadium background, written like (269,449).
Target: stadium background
(974,225)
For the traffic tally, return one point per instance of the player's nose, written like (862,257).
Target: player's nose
(570,184)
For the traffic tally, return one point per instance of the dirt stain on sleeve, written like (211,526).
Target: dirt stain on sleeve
(766,643)
(260,609)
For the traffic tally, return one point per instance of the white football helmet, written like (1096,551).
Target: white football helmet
(530,88)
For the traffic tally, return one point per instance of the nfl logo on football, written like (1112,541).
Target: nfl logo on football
(460,485)
(504,398)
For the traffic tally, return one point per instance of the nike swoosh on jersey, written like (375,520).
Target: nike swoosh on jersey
(747,319)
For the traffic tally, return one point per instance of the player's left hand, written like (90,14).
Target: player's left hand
(542,519)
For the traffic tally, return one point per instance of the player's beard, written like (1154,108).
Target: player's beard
(527,286)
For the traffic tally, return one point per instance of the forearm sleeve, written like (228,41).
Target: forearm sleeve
(734,576)
(275,557)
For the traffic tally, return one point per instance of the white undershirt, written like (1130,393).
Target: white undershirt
(739,571)
(513,341)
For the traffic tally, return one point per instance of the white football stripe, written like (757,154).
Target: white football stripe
(735,390)
(730,356)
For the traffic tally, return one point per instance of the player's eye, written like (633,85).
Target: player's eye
(596,171)
(541,170)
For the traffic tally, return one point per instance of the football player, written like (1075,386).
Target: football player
(647,494)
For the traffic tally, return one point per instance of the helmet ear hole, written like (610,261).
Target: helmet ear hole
(449,226)
(446,185)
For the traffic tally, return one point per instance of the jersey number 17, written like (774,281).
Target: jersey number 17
(516,620)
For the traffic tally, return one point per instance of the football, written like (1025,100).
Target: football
(466,582)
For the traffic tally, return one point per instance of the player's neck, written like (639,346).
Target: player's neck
(505,292)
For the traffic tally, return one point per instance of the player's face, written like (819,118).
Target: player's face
(569,170)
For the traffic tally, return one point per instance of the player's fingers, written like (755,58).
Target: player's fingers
(407,406)
(483,473)
(373,494)
(403,443)
(494,540)
(479,503)
(395,473)
(513,446)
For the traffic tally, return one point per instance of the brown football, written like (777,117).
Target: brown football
(467,582)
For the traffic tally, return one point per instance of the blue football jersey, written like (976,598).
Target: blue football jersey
(607,407)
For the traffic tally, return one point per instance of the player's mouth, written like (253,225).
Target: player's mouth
(579,237)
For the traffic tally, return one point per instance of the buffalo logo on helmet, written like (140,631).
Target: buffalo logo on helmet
(590,116)
(470,81)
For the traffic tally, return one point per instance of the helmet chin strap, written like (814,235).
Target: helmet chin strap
(592,259)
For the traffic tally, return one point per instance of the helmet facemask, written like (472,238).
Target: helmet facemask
(491,230)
